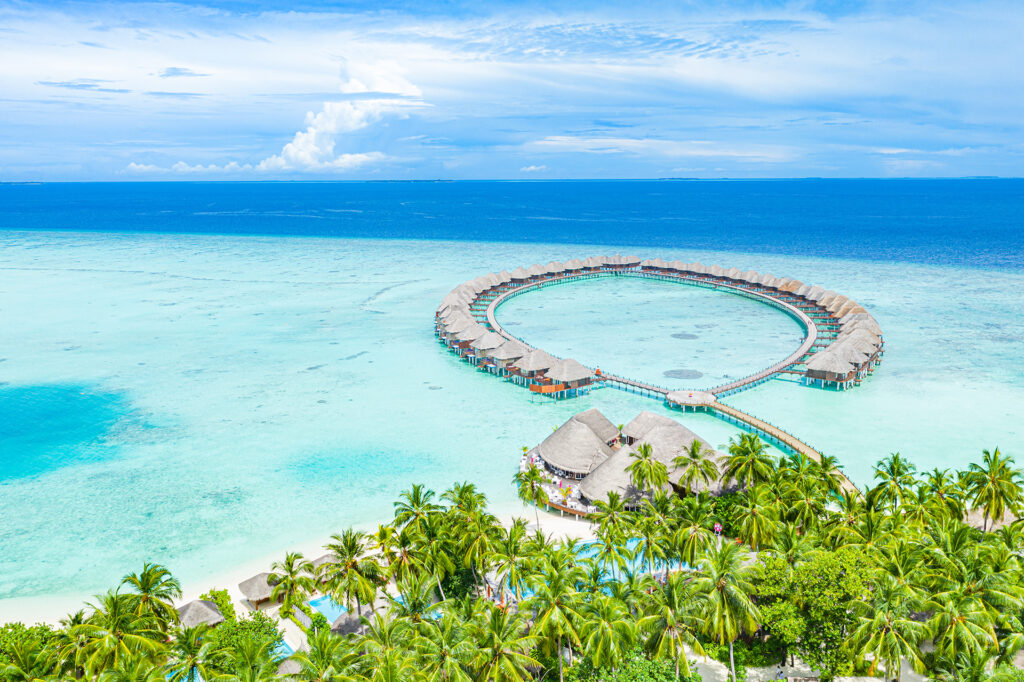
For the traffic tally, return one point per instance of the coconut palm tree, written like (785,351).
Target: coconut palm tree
(693,534)
(610,552)
(478,540)
(994,486)
(114,631)
(414,507)
(29,661)
(417,600)
(895,475)
(328,659)
(726,589)
(697,466)
(250,660)
(511,553)
(530,485)
(437,558)
(887,632)
(445,649)
(383,634)
(756,518)
(503,647)
(650,548)
(292,581)
(748,463)
(945,492)
(645,471)
(410,556)
(154,590)
(190,655)
(830,473)
(350,576)
(960,625)
(607,631)
(134,668)
(555,604)
(610,516)
(672,621)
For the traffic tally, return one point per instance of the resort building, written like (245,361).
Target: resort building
(586,458)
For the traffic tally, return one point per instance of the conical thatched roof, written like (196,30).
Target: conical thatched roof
(610,476)
(750,276)
(457,323)
(573,447)
(827,298)
(803,290)
(510,350)
(199,612)
(630,260)
(536,270)
(256,588)
(644,422)
(716,270)
(488,341)
(574,264)
(505,276)
(535,360)
(847,352)
(568,370)
(599,424)
(471,333)
(734,273)
(836,303)
(520,273)
(792,286)
(860,334)
(553,268)
(864,344)
(594,262)
(814,293)
(828,362)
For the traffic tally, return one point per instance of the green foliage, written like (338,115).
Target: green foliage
(636,668)
(459,583)
(256,630)
(319,622)
(723,511)
(223,602)
(14,634)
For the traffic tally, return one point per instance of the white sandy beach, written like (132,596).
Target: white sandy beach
(51,608)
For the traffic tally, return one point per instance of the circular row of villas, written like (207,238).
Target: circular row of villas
(848,344)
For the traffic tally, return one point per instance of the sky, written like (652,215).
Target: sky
(528,90)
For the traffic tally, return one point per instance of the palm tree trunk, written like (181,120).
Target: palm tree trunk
(732,663)
(558,653)
(439,588)
(677,666)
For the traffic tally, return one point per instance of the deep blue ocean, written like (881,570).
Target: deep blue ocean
(967,222)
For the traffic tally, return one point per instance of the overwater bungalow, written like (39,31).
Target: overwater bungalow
(531,366)
(565,377)
(489,341)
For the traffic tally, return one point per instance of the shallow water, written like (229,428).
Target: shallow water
(258,391)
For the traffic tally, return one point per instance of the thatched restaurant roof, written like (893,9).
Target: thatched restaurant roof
(644,422)
(574,448)
(599,424)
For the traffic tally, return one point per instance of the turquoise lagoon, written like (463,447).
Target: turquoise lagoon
(203,401)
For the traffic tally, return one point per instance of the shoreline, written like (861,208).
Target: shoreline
(51,608)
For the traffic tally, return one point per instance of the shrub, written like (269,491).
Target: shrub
(637,668)
(223,602)
(319,623)
(16,633)
(257,627)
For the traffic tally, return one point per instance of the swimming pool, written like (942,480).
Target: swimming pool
(327,606)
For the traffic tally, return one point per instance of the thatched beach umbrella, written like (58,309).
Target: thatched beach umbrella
(200,612)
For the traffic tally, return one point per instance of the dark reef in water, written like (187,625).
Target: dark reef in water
(682,374)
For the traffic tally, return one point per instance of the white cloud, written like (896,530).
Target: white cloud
(658,147)
(533,169)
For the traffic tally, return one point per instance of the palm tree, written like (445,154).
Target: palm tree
(888,633)
(250,660)
(830,473)
(748,462)
(189,656)
(436,556)
(646,471)
(946,492)
(530,485)
(697,463)
(960,625)
(510,554)
(445,648)
(555,605)
(328,659)
(672,621)
(693,533)
(503,647)
(610,552)
(610,516)
(895,474)
(756,518)
(383,541)
(350,576)
(607,631)
(651,547)
(478,542)
(114,631)
(417,599)
(994,486)
(292,581)
(384,634)
(29,662)
(154,591)
(414,507)
(725,587)
(134,668)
